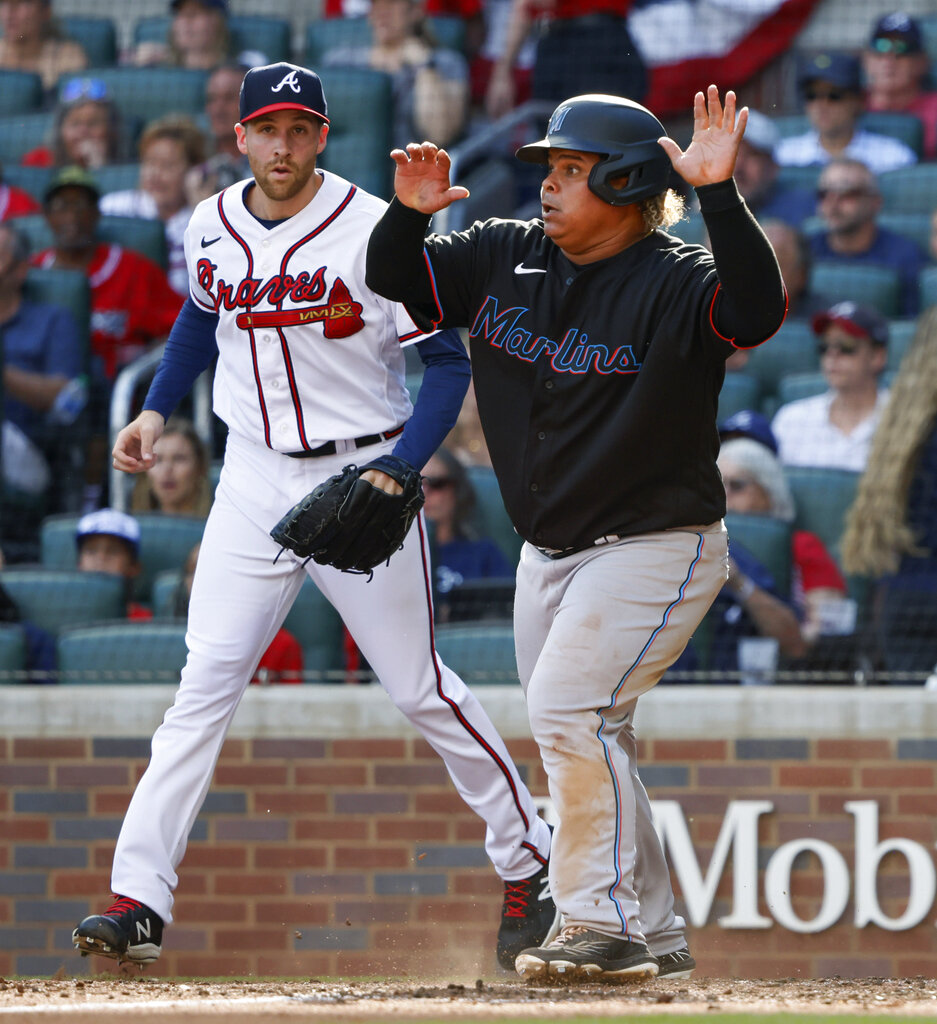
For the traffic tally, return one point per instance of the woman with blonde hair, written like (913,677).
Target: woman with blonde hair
(891,529)
(177,483)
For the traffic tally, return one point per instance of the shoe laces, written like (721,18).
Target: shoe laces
(122,905)
(567,934)
(516,898)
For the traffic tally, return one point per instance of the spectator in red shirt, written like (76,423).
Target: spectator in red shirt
(109,541)
(132,303)
(896,67)
(15,202)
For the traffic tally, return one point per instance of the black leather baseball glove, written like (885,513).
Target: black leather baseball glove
(349,523)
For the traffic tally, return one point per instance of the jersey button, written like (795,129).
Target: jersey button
(569,281)
(534,487)
(548,385)
(541,436)
(274,383)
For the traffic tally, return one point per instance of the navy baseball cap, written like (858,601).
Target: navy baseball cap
(112,523)
(751,424)
(839,69)
(859,321)
(282,87)
(897,26)
(221,5)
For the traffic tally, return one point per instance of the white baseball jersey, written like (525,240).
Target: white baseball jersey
(294,307)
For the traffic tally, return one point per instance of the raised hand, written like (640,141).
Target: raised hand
(717,132)
(421,180)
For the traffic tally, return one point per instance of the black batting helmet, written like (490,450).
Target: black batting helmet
(623,131)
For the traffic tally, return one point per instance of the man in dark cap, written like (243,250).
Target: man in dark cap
(831,87)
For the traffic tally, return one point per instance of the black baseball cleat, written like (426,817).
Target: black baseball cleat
(528,916)
(676,965)
(581,954)
(127,930)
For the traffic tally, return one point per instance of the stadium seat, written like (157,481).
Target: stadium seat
(68,288)
(493,194)
(479,654)
(906,128)
(768,539)
(138,233)
(740,391)
(928,25)
(909,189)
(318,628)
(795,386)
(791,124)
(31,179)
(822,498)
(122,652)
(163,593)
(490,598)
(19,133)
(117,177)
(361,113)
(20,91)
(98,37)
(927,283)
(800,177)
(12,653)
(792,350)
(55,598)
(914,226)
(872,285)
(326,34)
(900,336)
(148,93)
(165,543)
(491,516)
(268,35)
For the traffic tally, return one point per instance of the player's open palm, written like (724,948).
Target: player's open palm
(421,180)
(717,132)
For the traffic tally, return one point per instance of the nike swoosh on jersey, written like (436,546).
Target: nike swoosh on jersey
(521,269)
(206,242)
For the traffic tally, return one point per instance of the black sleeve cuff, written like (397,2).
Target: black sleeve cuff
(723,195)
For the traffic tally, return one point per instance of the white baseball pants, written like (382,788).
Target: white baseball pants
(594,631)
(240,597)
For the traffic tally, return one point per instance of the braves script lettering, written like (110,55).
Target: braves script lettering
(574,354)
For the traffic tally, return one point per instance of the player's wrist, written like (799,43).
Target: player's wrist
(742,588)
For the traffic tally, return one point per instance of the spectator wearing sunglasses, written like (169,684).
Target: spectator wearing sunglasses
(896,67)
(834,429)
(831,87)
(849,203)
(87,129)
(31,41)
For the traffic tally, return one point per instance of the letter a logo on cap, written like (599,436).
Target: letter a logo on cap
(289,80)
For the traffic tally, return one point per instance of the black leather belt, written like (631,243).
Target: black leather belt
(331,447)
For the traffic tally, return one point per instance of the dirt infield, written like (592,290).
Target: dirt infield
(83,1000)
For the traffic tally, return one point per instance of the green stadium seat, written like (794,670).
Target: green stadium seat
(800,385)
(822,498)
(740,391)
(163,593)
(138,233)
(122,652)
(268,35)
(768,539)
(318,627)
(33,180)
(791,124)
(165,543)
(98,37)
(326,34)
(928,26)
(449,31)
(909,189)
(906,128)
(20,91)
(492,518)
(361,114)
(900,335)
(117,177)
(55,598)
(68,288)
(479,653)
(872,285)
(149,93)
(914,226)
(800,177)
(21,132)
(792,350)
(927,284)
(12,653)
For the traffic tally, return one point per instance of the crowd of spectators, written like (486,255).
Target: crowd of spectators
(816,179)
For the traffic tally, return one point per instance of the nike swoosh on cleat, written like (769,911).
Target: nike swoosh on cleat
(206,242)
(521,269)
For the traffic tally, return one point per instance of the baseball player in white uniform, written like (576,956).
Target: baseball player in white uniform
(310,377)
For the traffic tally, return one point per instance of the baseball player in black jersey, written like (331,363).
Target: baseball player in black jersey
(598,345)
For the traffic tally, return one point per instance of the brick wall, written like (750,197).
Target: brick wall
(338,855)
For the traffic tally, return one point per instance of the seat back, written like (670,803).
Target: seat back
(871,285)
(911,189)
(19,133)
(900,335)
(740,391)
(361,114)
(822,498)
(163,593)
(20,91)
(267,35)
(318,628)
(147,93)
(927,285)
(491,516)
(792,350)
(165,543)
(68,288)
(906,128)
(913,226)
(117,177)
(138,233)
(326,34)
(12,653)
(800,385)
(479,653)
(768,539)
(98,37)
(55,598)
(122,652)
(488,598)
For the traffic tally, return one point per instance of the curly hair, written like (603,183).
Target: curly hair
(877,533)
(662,210)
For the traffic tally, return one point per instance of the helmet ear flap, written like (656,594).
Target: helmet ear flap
(647,171)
